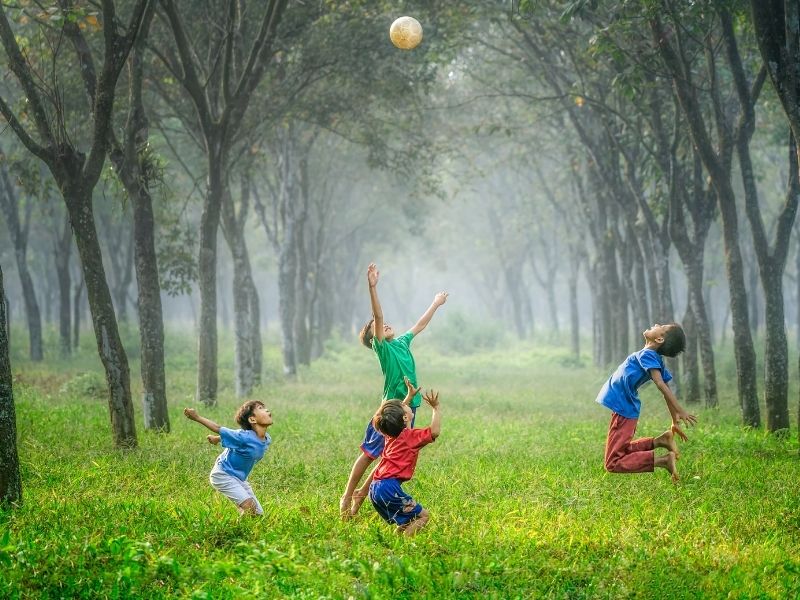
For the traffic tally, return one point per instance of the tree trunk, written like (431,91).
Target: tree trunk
(776,355)
(797,290)
(301,314)
(243,320)
(703,329)
(692,387)
(19,236)
(10,481)
(109,344)
(207,381)
(287,273)
(77,301)
(246,314)
(123,282)
(256,347)
(151,320)
(62,250)
(574,314)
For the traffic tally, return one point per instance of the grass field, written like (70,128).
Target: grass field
(520,504)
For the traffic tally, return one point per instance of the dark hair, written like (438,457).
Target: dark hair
(674,341)
(366,334)
(245,412)
(389,418)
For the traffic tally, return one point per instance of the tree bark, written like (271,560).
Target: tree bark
(207,381)
(574,318)
(10,481)
(109,345)
(692,387)
(247,364)
(151,321)
(61,253)
(9,202)
(77,302)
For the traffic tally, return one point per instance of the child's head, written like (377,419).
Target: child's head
(392,417)
(253,412)
(670,338)
(368,332)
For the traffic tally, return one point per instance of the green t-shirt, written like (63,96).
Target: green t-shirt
(396,362)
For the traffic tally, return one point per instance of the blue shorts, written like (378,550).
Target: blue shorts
(392,503)
(373,442)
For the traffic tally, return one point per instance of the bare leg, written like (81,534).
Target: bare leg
(667,440)
(414,526)
(667,462)
(361,494)
(362,462)
(248,507)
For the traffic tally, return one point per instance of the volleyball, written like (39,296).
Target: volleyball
(406,33)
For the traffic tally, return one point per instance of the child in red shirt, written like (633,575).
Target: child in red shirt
(398,460)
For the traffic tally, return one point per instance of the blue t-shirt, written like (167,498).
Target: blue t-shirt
(620,393)
(243,449)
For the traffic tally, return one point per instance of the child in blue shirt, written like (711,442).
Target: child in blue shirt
(243,449)
(620,395)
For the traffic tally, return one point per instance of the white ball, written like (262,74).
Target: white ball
(406,33)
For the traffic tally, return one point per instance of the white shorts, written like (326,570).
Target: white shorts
(232,487)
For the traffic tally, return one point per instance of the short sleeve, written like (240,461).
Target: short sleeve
(231,438)
(649,359)
(417,438)
(406,338)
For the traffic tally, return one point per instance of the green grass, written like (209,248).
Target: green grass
(520,504)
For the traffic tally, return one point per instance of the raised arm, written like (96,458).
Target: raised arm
(377,312)
(412,391)
(676,411)
(432,398)
(438,300)
(193,415)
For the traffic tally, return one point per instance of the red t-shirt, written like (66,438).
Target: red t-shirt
(399,456)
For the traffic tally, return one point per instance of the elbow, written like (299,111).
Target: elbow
(435,434)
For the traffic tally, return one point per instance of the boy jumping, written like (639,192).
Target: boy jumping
(620,395)
(397,362)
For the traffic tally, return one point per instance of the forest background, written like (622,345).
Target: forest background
(570,172)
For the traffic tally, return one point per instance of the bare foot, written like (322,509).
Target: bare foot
(670,466)
(667,440)
(358,500)
(344,507)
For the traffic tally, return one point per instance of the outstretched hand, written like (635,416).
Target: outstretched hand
(440,298)
(412,391)
(432,398)
(372,274)
(191,413)
(678,431)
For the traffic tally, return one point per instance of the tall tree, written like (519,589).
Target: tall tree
(672,46)
(777,27)
(9,205)
(771,260)
(220,90)
(76,171)
(10,481)
(138,168)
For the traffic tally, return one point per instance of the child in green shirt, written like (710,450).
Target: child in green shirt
(397,363)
